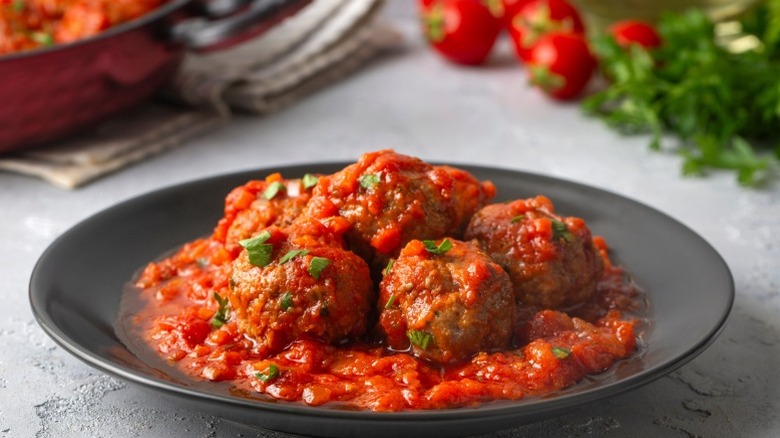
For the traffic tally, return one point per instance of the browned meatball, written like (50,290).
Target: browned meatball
(391,199)
(551,259)
(447,306)
(286,292)
(259,204)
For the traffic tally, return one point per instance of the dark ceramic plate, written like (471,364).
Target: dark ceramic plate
(77,284)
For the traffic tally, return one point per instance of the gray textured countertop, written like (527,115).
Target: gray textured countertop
(418,105)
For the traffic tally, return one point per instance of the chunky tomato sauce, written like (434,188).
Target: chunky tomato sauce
(30,24)
(177,313)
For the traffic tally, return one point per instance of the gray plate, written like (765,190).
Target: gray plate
(77,284)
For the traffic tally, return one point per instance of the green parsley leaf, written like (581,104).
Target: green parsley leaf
(286,302)
(42,38)
(220,317)
(388,267)
(259,251)
(390,301)
(560,230)
(718,98)
(419,338)
(369,180)
(273,373)
(443,247)
(518,218)
(293,254)
(316,266)
(272,190)
(560,352)
(309,181)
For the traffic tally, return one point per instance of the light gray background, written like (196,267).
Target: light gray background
(417,104)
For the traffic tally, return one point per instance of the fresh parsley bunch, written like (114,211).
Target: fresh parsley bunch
(722,101)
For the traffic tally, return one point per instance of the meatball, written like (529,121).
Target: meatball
(283,292)
(551,259)
(390,199)
(259,204)
(447,306)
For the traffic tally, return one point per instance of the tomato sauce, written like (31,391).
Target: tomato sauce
(175,309)
(31,24)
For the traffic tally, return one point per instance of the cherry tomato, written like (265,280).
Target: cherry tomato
(629,32)
(463,31)
(561,64)
(539,17)
(511,8)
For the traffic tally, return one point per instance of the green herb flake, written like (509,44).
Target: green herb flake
(273,373)
(18,5)
(286,302)
(42,38)
(316,266)
(388,267)
(272,190)
(518,218)
(561,352)
(560,230)
(293,254)
(442,248)
(202,262)
(419,338)
(259,252)
(390,301)
(220,317)
(369,180)
(309,181)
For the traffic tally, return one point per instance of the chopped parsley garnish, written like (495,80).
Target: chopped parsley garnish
(390,301)
(220,317)
(202,262)
(518,218)
(560,230)
(420,338)
(316,266)
(309,181)
(286,303)
(388,267)
(442,248)
(273,372)
(259,251)
(272,190)
(560,352)
(42,38)
(369,180)
(293,254)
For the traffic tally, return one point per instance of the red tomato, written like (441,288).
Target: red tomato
(511,8)
(539,17)
(561,64)
(629,32)
(463,31)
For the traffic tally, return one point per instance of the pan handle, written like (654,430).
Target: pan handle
(246,20)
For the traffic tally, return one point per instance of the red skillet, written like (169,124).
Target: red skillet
(49,93)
